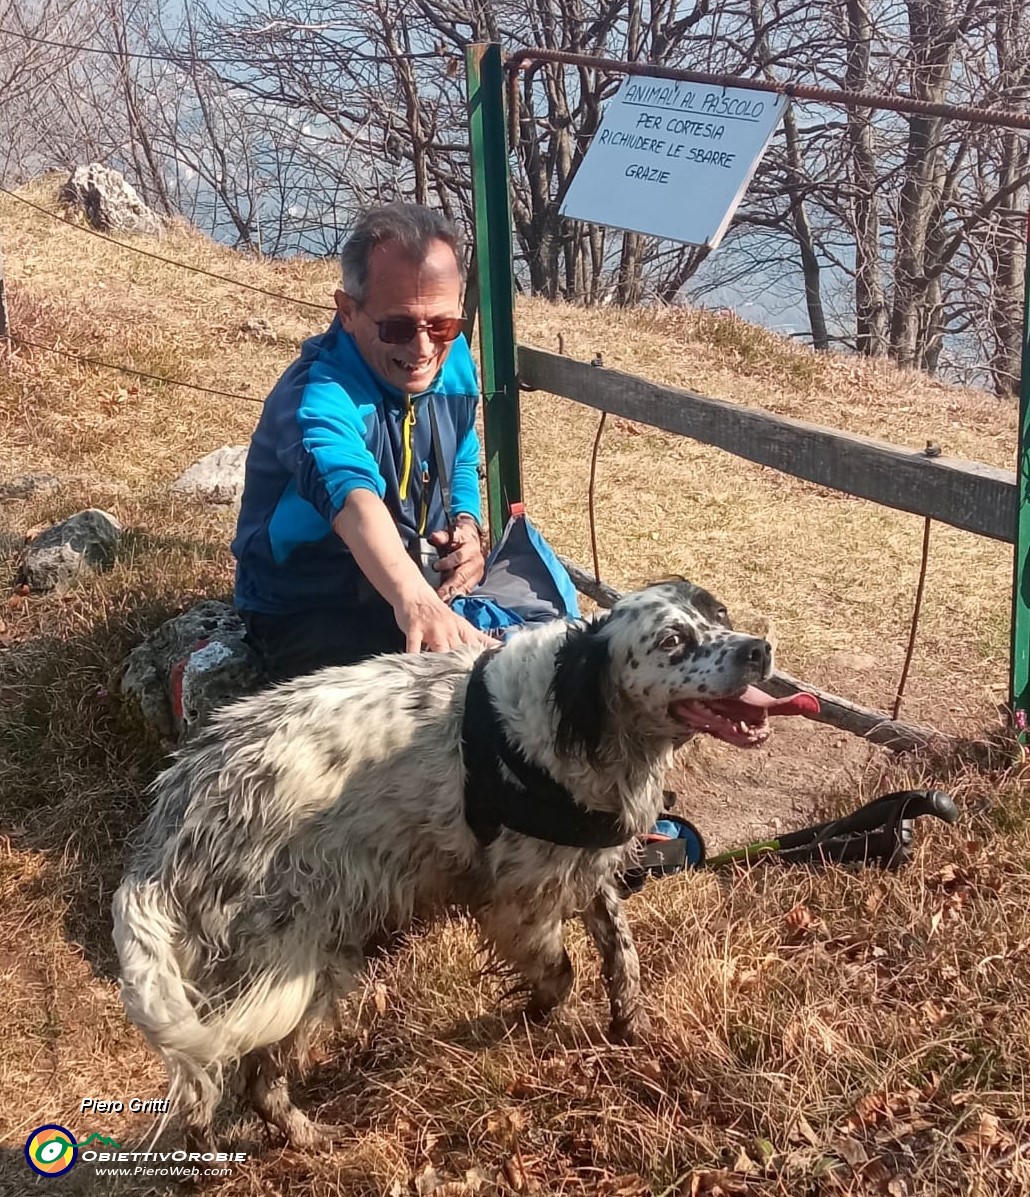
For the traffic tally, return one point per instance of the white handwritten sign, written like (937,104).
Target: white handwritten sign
(673,159)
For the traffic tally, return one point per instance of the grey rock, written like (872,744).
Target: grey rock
(27,486)
(216,478)
(258,328)
(110,203)
(188,667)
(82,543)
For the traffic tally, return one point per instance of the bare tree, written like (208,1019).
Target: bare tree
(870,299)
(35,60)
(1003,168)
(269,123)
(405,117)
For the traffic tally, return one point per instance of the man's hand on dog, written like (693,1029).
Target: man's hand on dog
(427,622)
(424,618)
(366,527)
(461,563)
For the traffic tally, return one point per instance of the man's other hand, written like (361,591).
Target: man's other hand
(368,530)
(463,565)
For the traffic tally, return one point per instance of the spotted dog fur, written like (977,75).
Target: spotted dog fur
(319,817)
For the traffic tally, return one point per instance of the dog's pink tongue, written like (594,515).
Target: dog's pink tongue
(752,698)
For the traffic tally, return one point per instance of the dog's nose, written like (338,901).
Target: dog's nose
(756,653)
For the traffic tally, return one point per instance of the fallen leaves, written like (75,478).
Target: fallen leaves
(932,1014)
(950,877)
(650,1068)
(986,1136)
(873,1109)
(429,1183)
(801,923)
(112,403)
(851,1151)
(629,1184)
(806,1033)
(511,1176)
(517,1175)
(802,1132)
(714,1183)
(572,1075)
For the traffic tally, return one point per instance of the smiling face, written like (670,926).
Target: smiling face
(399,287)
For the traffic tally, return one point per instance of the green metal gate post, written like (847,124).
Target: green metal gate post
(491,196)
(1020,676)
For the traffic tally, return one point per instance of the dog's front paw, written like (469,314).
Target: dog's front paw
(538,1011)
(632,1028)
(305,1135)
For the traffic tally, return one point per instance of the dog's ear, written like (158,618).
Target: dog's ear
(580,689)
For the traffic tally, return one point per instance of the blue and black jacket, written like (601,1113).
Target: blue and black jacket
(331,426)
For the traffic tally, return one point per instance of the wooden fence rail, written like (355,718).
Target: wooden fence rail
(966,494)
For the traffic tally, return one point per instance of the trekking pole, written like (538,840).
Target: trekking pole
(879,832)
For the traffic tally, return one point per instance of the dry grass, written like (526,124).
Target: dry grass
(836,575)
(817,1033)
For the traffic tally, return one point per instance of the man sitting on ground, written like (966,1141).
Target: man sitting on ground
(342,478)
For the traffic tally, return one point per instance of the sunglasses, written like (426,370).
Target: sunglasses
(399,330)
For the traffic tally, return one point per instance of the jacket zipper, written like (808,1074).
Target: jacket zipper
(424,516)
(408,435)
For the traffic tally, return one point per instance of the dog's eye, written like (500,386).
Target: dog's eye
(674,639)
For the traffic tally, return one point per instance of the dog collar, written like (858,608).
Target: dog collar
(526,798)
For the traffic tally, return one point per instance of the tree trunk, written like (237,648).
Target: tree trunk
(597,240)
(628,291)
(794,187)
(932,36)
(870,301)
(1007,251)
(810,268)
(913,225)
(148,173)
(688,263)
(412,107)
(629,288)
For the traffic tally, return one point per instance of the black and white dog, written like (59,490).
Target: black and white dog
(316,818)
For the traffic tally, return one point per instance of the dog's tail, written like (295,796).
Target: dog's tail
(168,1008)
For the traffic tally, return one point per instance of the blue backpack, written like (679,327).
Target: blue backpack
(524,582)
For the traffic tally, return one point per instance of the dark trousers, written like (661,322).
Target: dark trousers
(291,645)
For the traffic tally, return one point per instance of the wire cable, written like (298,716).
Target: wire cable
(82,359)
(146,253)
(917,608)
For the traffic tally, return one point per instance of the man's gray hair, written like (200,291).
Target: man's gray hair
(412,226)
